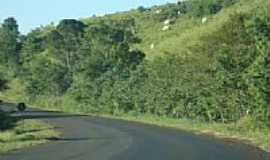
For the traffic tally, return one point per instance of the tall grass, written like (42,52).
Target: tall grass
(23,136)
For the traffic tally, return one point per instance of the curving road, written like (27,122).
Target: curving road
(92,138)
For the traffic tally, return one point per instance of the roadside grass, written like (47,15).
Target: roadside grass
(26,133)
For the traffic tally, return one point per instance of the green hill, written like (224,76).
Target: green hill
(185,30)
(201,60)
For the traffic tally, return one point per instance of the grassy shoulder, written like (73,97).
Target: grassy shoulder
(25,134)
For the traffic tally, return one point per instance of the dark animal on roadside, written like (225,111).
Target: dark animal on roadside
(21,107)
(1,101)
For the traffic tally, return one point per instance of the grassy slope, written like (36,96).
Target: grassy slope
(26,133)
(185,32)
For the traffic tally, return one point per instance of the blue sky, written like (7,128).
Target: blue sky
(33,13)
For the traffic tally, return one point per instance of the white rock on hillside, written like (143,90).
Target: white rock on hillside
(204,20)
(165,28)
(167,21)
(152,46)
(158,11)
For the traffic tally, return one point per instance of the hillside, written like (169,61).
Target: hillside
(200,60)
(185,29)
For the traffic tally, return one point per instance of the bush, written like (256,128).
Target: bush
(142,9)
(44,76)
(207,7)
(3,79)
(258,74)
(5,121)
(3,84)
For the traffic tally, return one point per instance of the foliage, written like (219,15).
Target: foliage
(204,7)
(33,44)
(3,83)
(19,137)
(108,61)
(64,42)
(46,77)
(258,73)
(4,78)
(5,121)
(9,45)
(142,9)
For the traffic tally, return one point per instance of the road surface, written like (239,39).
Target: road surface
(92,138)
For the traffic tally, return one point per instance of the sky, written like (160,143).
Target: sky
(34,13)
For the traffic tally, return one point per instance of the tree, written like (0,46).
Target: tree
(10,25)
(9,45)
(71,26)
(46,76)
(259,72)
(141,9)
(65,41)
(33,44)
(106,60)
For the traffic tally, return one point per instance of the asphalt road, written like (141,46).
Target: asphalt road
(92,138)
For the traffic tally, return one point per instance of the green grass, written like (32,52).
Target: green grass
(26,133)
(186,31)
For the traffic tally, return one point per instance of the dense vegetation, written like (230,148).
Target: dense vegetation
(211,70)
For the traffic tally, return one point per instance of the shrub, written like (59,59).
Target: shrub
(141,9)
(5,121)
(44,76)
(258,73)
